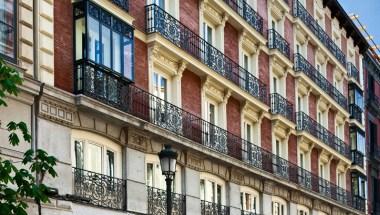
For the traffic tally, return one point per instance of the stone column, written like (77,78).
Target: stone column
(266,204)
(234,198)
(137,195)
(192,189)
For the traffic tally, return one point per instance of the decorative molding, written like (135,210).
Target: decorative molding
(212,14)
(301,199)
(243,179)
(56,111)
(318,205)
(211,89)
(138,140)
(194,161)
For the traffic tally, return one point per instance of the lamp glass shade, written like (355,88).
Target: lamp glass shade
(168,160)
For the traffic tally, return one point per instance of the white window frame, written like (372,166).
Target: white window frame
(254,194)
(279,201)
(168,78)
(217,181)
(302,210)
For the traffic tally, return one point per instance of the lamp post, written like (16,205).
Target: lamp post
(168,160)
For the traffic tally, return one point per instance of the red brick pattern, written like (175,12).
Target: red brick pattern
(188,12)
(333,166)
(310,7)
(137,9)
(331,121)
(313,106)
(328,23)
(345,88)
(344,44)
(231,42)
(311,54)
(288,33)
(266,134)
(264,68)
(262,9)
(314,155)
(233,116)
(348,180)
(63,45)
(191,92)
(330,72)
(357,59)
(291,90)
(347,133)
(141,65)
(292,149)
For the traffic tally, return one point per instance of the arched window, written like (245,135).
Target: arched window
(279,206)
(302,210)
(249,200)
(212,189)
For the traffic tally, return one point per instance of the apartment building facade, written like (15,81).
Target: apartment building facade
(262,100)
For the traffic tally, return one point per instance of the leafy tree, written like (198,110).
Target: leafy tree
(17,184)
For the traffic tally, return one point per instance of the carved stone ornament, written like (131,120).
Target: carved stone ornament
(318,205)
(138,140)
(56,111)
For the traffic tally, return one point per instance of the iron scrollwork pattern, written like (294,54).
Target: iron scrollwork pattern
(353,71)
(279,105)
(215,137)
(100,190)
(166,115)
(157,202)
(280,167)
(276,41)
(210,208)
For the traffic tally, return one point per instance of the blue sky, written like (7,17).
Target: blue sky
(369,14)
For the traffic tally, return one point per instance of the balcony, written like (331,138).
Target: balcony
(210,208)
(359,202)
(159,21)
(302,65)
(279,105)
(375,152)
(123,4)
(276,41)
(248,213)
(113,90)
(300,11)
(306,123)
(157,202)
(373,102)
(242,8)
(357,158)
(100,190)
(356,112)
(353,72)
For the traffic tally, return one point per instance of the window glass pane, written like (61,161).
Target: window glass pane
(360,143)
(219,194)
(127,57)
(149,174)
(110,163)
(94,158)
(106,46)
(94,47)
(116,52)
(79,155)
(202,189)
(7,16)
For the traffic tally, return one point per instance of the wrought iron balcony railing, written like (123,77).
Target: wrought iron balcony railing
(113,90)
(159,21)
(353,71)
(249,213)
(306,123)
(302,65)
(359,202)
(100,190)
(300,11)
(276,41)
(157,202)
(357,158)
(279,105)
(242,8)
(210,208)
(124,4)
(356,112)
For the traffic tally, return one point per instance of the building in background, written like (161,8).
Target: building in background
(262,99)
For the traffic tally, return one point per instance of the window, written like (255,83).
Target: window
(8,29)
(249,201)
(356,96)
(321,171)
(154,177)
(110,163)
(302,160)
(278,208)
(208,33)
(357,139)
(303,212)
(359,185)
(274,85)
(108,41)
(160,86)
(211,191)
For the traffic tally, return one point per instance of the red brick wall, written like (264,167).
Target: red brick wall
(345,88)
(264,68)
(311,54)
(141,65)
(288,33)
(188,12)
(348,180)
(233,116)
(328,27)
(191,88)
(331,121)
(231,42)
(137,10)
(313,106)
(290,90)
(347,133)
(292,149)
(63,45)
(266,134)
(310,7)
(357,59)
(330,72)
(333,166)
(314,162)
(262,9)
(344,44)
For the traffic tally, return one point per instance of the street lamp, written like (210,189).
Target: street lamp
(168,160)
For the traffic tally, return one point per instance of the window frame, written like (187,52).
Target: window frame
(14,27)
(254,194)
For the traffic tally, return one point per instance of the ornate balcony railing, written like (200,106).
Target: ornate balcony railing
(124,4)
(210,208)
(279,105)
(353,71)
(357,158)
(242,8)
(306,123)
(300,11)
(159,21)
(302,65)
(100,190)
(276,41)
(248,213)
(113,90)
(356,112)
(359,202)
(157,202)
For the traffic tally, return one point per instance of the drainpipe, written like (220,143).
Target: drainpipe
(36,44)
